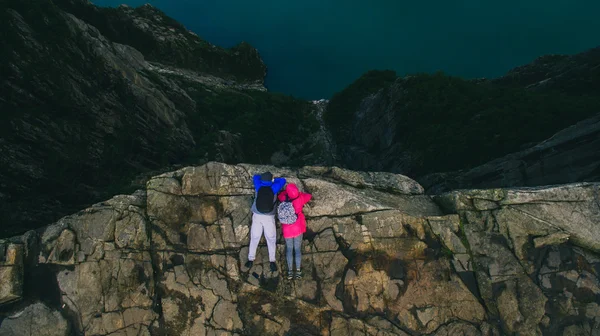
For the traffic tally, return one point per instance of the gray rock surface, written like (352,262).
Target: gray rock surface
(529,268)
(35,320)
(169,260)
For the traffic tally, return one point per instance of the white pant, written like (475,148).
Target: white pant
(260,223)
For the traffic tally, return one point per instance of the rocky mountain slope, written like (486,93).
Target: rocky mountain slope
(380,258)
(576,74)
(91,97)
(571,155)
(423,124)
(163,40)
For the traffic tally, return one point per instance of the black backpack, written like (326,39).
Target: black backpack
(265,199)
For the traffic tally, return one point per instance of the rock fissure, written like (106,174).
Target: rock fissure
(541,202)
(538,219)
(512,248)
(76,311)
(348,215)
(597,197)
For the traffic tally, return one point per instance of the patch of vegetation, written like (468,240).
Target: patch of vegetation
(446,252)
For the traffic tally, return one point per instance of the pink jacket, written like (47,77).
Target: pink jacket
(299,199)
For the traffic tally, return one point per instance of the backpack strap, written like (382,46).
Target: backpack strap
(287,199)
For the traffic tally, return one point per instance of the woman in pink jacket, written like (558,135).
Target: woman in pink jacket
(293,232)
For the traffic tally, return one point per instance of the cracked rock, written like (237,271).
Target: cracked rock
(225,316)
(35,320)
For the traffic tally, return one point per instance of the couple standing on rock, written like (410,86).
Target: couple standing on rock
(289,211)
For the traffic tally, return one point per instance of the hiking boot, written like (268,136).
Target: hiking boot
(298,274)
(290,275)
(273,267)
(249,264)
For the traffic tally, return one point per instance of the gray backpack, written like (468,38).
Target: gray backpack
(286,212)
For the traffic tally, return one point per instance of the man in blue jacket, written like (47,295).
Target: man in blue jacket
(263,215)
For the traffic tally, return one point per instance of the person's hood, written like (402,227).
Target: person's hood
(265,183)
(292,191)
(266,176)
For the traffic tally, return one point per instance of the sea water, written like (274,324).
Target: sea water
(314,48)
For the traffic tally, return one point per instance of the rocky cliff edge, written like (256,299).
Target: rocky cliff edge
(379,258)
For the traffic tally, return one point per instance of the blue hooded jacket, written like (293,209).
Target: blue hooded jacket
(276,186)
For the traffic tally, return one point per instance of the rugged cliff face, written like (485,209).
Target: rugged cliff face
(379,258)
(163,40)
(571,155)
(90,97)
(424,124)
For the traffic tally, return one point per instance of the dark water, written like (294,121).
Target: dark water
(314,48)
